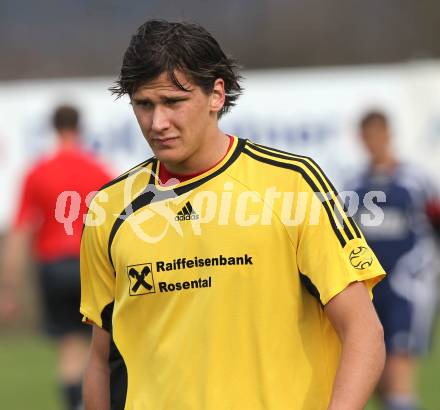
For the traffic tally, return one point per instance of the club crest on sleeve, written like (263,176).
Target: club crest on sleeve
(361,258)
(141,279)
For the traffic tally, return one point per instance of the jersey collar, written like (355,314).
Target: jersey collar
(230,157)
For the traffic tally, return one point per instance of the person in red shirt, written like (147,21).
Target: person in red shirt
(49,218)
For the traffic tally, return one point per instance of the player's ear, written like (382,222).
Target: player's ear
(217,95)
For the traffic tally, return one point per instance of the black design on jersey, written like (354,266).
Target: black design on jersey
(118,368)
(311,288)
(152,194)
(128,173)
(324,182)
(121,178)
(106,317)
(314,187)
(143,198)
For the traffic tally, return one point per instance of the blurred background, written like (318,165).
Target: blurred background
(311,68)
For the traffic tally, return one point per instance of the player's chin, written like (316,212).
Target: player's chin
(169,155)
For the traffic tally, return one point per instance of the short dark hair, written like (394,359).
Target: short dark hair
(160,46)
(372,116)
(66,117)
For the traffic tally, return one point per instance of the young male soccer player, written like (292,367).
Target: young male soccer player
(204,293)
(404,242)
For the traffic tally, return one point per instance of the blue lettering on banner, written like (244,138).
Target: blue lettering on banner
(301,134)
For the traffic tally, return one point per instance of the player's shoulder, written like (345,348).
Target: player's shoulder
(356,180)
(89,158)
(415,178)
(412,171)
(276,157)
(118,182)
(289,164)
(113,197)
(37,167)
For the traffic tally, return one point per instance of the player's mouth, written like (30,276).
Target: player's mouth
(164,142)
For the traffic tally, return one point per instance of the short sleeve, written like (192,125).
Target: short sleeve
(331,250)
(28,211)
(97,273)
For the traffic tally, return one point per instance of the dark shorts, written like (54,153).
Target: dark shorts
(407,314)
(60,296)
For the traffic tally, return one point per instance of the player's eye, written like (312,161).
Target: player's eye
(143,104)
(173,101)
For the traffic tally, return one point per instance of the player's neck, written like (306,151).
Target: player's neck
(385,165)
(68,140)
(208,154)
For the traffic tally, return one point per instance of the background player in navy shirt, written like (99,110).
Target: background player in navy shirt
(405,245)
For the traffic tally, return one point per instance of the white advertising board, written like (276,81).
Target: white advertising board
(311,112)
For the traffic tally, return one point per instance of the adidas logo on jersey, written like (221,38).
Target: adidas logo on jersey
(187,213)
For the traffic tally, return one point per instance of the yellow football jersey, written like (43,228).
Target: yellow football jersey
(213,289)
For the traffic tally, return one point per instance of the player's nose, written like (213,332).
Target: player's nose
(160,120)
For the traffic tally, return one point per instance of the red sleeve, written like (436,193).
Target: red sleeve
(433,213)
(27,210)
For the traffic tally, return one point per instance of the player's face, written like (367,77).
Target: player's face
(376,139)
(178,125)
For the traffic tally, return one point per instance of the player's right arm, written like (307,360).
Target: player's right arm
(340,270)
(15,252)
(97,297)
(16,249)
(96,390)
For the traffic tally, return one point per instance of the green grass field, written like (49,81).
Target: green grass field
(28,378)
(27,375)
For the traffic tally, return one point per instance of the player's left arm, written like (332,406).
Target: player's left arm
(352,314)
